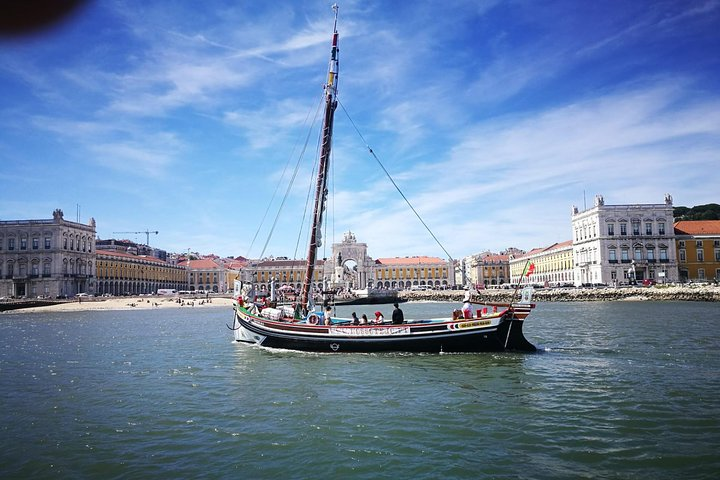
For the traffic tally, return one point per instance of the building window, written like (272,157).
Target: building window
(636,227)
(701,274)
(611,229)
(700,256)
(681,244)
(648,228)
(698,244)
(651,254)
(661,228)
(623,228)
(65,243)
(638,253)
(46,268)
(681,255)
(11,244)
(663,254)
(625,254)
(35,243)
(35,269)
(47,243)
(717,255)
(612,255)
(23,244)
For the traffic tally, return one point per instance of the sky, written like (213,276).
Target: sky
(492,117)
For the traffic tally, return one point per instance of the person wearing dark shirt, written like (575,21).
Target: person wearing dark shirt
(397,315)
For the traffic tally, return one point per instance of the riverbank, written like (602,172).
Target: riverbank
(127,303)
(698,293)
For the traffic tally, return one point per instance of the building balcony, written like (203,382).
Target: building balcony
(612,261)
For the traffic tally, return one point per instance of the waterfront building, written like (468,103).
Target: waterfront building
(283,272)
(552,266)
(617,244)
(47,258)
(123,273)
(698,247)
(351,268)
(406,272)
(205,275)
(487,269)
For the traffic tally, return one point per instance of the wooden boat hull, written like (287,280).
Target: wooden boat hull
(500,333)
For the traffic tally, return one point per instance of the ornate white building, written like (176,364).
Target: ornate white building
(47,258)
(618,244)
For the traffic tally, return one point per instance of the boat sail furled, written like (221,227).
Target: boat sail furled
(496,327)
(321,186)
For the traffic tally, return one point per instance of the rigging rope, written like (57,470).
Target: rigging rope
(393,181)
(291,183)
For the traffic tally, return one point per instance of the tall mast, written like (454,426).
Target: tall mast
(321,186)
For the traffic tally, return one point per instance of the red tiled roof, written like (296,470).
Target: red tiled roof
(554,246)
(697,227)
(409,260)
(493,258)
(112,253)
(202,264)
(286,263)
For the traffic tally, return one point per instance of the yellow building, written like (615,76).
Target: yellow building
(120,273)
(284,273)
(552,266)
(698,247)
(487,269)
(407,272)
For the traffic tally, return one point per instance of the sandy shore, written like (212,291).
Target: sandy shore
(128,303)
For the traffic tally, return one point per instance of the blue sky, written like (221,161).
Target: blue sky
(493,117)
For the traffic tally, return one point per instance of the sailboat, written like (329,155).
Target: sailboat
(495,327)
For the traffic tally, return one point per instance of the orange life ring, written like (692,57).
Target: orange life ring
(313,319)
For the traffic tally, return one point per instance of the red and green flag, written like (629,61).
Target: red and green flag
(529,269)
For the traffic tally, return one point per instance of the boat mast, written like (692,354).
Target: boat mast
(321,186)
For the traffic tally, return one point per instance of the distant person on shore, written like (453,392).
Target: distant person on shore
(397,316)
(379,318)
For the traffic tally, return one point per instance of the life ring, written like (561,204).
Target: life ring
(313,319)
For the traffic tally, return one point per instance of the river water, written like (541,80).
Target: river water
(621,390)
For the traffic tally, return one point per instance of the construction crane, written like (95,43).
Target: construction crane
(146,232)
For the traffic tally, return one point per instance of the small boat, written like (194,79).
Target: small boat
(494,327)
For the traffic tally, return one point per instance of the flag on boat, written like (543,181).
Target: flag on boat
(529,269)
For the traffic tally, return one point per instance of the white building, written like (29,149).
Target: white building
(47,258)
(617,244)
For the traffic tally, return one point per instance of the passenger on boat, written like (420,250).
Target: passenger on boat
(379,317)
(397,315)
(467,306)
(355,319)
(363,319)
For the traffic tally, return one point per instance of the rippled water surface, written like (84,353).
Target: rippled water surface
(621,390)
